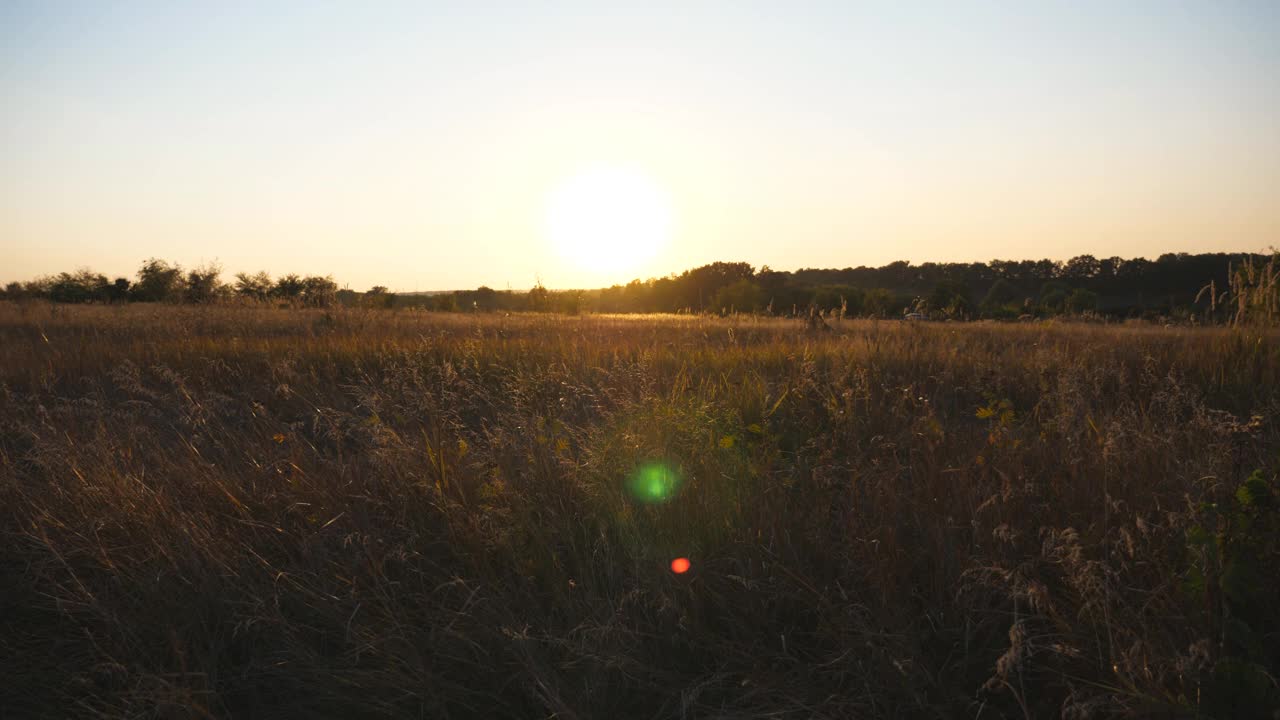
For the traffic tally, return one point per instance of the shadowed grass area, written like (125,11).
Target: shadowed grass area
(244,512)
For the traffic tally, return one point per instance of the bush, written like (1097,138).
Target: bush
(319,291)
(84,286)
(739,296)
(1235,554)
(1081,301)
(254,287)
(1053,296)
(204,285)
(288,287)
(158,281)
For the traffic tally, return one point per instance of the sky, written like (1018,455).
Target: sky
(431,145)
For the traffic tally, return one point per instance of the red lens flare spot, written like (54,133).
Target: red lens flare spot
(680,566)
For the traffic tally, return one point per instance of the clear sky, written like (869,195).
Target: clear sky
(425,145)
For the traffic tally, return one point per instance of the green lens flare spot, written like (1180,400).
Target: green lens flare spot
(653,483)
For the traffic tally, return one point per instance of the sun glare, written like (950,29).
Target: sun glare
(608,219)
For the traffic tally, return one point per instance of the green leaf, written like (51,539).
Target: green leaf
(1255,491)
(1244,495)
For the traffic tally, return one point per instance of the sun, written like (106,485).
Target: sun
(608,219)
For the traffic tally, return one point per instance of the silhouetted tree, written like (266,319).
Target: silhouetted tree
(881,302)
(741,296)
(319,291)
(80,287)
(444,302)
(1081,300)
(539,298)
(483,298)
(1081,267)
(119,290)
(256,286)
(697,288)
(1108,268)
(1053,295)
(949,297)
(158,281)
(204,284)
(288,287)
(38,288)
(379,296)
(1001,293)
(569,302)
(1116,286)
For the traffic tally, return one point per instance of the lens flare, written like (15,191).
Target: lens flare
(653,483)
(680,565)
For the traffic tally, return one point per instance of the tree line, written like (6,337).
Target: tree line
(1175,285)
(161,281)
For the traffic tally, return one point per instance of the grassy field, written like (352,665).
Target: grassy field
(258,513)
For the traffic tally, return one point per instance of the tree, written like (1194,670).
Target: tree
(444,302)
(569,302)
(1134,268)
(698,287)
(1109,267)
(65,289)
(1081,267)
(881,302)
(1007,269)
(484,298)
(319,291)
(1045,270)
(158,281)
(740,296)
(255,287)
(38,288)
(119,290)
(1002,292)
(204,284)
(1053,295)
(288,287)
(949,297)
(1081,301)
(539,298)
(80,287)
(378,296)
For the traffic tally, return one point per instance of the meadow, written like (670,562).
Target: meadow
(254,512)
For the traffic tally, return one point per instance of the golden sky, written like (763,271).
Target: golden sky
(427,146)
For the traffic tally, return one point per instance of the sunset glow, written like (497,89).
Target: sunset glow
(446,146)
(608,219)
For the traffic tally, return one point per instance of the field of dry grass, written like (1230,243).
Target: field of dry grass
(233,512)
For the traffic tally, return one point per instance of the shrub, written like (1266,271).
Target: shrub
(158,281)
(204,285)
(319,291)
(1081,301)
(253,286)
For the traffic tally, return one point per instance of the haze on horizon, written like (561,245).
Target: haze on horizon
(448,145)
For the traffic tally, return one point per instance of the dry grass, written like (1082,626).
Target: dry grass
(254,513)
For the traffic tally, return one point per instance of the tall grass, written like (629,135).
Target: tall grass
(1252,295)
(252,513)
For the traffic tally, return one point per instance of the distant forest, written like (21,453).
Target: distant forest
(1176,286)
